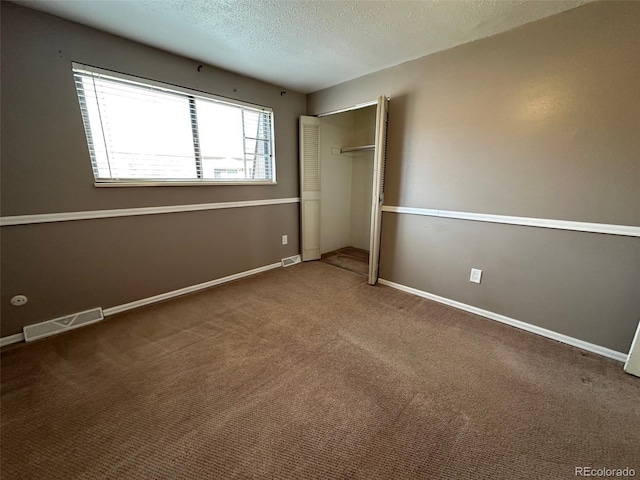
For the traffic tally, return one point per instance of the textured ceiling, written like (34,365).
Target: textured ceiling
(304,45)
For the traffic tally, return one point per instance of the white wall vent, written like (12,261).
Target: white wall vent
(286,262)
(62,324)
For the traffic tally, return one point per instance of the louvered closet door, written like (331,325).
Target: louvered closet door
(379,160)
(310,187)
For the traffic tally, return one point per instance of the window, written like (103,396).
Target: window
(144,132)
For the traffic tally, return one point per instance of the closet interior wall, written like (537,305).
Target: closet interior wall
(346,180)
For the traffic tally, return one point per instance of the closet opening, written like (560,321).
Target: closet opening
(342,166)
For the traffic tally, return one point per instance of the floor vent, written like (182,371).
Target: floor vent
(62,324)
(287,262)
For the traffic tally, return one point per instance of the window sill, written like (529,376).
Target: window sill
(178,184)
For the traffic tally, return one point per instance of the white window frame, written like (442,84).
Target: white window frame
(192,93)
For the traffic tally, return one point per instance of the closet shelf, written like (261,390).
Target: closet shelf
(357,149)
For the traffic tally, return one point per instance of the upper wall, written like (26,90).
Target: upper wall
(541,121)
(45,159)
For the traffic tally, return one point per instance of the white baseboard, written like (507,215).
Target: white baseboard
(8,340)
(590,347)
(19,337)
(184,291)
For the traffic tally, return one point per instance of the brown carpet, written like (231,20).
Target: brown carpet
(349,258)
(266,378)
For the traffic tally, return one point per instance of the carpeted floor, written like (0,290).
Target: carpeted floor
(349,258)
(309,373)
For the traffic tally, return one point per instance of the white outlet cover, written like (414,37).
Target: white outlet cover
(476,275)
(18,300)
(285,239)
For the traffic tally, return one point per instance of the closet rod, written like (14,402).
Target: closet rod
(357,149)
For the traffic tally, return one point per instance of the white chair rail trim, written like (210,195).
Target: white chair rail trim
(624,230)
(130,212)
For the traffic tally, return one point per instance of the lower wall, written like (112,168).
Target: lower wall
(67,267)
(583,285)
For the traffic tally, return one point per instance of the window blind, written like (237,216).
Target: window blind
(142,131)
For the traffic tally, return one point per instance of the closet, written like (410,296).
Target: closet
(342,158)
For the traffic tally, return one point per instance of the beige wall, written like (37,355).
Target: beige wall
(361,188)
(346,179)
(362,178)
(70,266)
(542,121)
(335,181)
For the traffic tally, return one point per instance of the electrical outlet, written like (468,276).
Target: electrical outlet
(285,239)
(476,275)
(18,300)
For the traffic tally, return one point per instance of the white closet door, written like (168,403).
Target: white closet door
(633,362)
(379,159)
(310,187)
